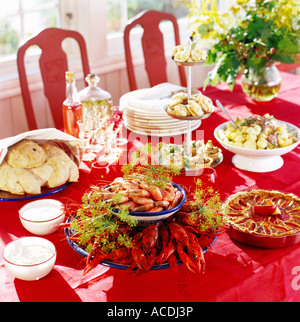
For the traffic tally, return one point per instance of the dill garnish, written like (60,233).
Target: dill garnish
(205,208)
(144,163)
(98,224)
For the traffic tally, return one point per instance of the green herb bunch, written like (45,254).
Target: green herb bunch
(96,222)
(205,209)
(144,162)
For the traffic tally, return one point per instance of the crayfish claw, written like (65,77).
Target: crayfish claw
(186,260)
(92,263)
(172,260)
(139,259)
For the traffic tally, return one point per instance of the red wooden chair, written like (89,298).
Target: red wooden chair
(153,47)
(53,65)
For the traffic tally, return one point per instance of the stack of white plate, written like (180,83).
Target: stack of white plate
(143,112)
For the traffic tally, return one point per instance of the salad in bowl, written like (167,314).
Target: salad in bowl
(258,141)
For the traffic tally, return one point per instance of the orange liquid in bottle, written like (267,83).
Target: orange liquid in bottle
(72,112)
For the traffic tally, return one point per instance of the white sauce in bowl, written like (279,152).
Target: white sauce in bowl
(30,254)
(42,210)
(41,213)
(42,217)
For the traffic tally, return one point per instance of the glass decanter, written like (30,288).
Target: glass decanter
(96,104)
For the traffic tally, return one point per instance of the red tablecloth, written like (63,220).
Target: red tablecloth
(235,272)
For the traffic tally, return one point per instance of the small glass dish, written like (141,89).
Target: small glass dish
(42,217)
(29,258)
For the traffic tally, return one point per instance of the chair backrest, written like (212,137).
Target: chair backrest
(153,47)
(53,65)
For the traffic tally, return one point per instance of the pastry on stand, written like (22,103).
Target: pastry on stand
(185,106)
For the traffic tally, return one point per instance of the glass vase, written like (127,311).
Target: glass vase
(263,85)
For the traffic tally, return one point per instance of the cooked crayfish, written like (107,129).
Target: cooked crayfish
(181,237)
(162,242)
(143,251)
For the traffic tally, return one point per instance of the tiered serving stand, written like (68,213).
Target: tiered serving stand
(189,66)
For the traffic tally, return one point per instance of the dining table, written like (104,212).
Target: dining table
(235,272)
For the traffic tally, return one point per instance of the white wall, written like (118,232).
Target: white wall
(111,69)
(106,59)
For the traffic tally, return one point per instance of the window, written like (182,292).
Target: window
(119,11)
(101,22)
(20,19)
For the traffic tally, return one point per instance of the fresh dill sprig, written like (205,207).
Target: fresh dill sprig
(97,224)
(206,208)
(144,163)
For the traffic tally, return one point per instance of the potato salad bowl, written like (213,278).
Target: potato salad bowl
(258,160)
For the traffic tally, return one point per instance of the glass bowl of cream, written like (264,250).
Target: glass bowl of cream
(42,217)
(29,258)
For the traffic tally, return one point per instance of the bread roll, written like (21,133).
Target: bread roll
(29,166)
(18,180)
(57,158)
(25,154)
(53,151)
(43,172)
(28,181)
(61,171)
(8,180)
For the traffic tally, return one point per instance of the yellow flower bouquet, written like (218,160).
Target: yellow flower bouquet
(247,37)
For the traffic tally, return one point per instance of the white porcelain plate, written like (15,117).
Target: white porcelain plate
(163,132)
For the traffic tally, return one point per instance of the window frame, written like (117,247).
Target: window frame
(106,54)
(21,12)
(9,82)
